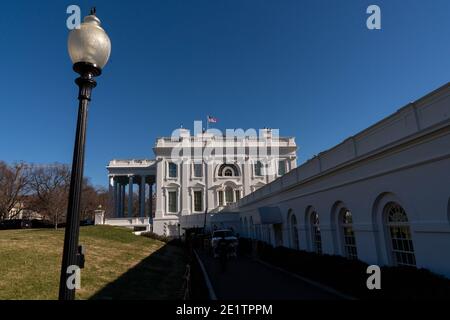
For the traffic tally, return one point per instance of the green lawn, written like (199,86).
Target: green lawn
(119,265)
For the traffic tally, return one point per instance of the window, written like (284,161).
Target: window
(281,167)
(237,194)
(228,170)
(198,201)
(316,237)
(220,198)
(229,195)
(400,235)
(294,231)
(173,205)
(258,168)
(198,170)
(173,170)
(346,221)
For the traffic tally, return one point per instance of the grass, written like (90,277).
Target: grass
(119,265)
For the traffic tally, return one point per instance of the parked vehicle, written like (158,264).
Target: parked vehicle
(227,237)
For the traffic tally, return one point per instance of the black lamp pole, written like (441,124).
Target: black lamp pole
(72,255)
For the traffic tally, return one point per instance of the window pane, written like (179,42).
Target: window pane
(316,236)
(198,201)
(346,221)
(172,201)
(198,170)
(402,245)
(238,194)
(281,167)
(258,166)
(172,170)
(350,243)
(229,195)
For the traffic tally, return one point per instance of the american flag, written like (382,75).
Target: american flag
(212,119)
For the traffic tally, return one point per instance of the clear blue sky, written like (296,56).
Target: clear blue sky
(310,68)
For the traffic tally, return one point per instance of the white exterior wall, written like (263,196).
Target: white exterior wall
(210,182)
(404,158)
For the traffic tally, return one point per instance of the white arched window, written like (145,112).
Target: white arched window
(228,170)
(293,230)
(315,233)
(348,236)
(400,235)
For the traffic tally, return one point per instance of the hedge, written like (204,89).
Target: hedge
(350,276)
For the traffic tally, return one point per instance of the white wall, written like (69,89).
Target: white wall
(403,158)
(210,183)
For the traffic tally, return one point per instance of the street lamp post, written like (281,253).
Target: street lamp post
(89,49)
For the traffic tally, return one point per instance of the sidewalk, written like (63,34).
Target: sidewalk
(248,279)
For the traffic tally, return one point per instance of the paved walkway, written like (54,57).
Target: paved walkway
(245,278)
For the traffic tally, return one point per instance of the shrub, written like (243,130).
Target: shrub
(349,276)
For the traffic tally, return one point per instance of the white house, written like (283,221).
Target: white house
(197,174)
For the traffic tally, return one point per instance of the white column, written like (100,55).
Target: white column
(119,195)
(151,200)
(246,177)
(122,201)
(111,196)
(183,192)
(116,198)
(209,181)
(142,197)
(160,205)
(130,196)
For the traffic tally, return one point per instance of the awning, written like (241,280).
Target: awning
(224,217)
(269,215)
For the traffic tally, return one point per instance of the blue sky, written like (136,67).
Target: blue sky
(310,68)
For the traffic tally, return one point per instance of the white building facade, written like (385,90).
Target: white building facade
(195,174)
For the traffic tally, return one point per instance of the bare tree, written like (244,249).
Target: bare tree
(92,198)
(50,187)
(14,181)
(44,189)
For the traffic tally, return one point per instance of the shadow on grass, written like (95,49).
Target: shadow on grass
(157,277)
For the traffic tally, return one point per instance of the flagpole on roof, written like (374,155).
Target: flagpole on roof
(207,123)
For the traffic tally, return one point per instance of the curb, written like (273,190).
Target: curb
(211,292)
(311,282)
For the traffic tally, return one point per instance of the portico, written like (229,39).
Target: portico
(131,185)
